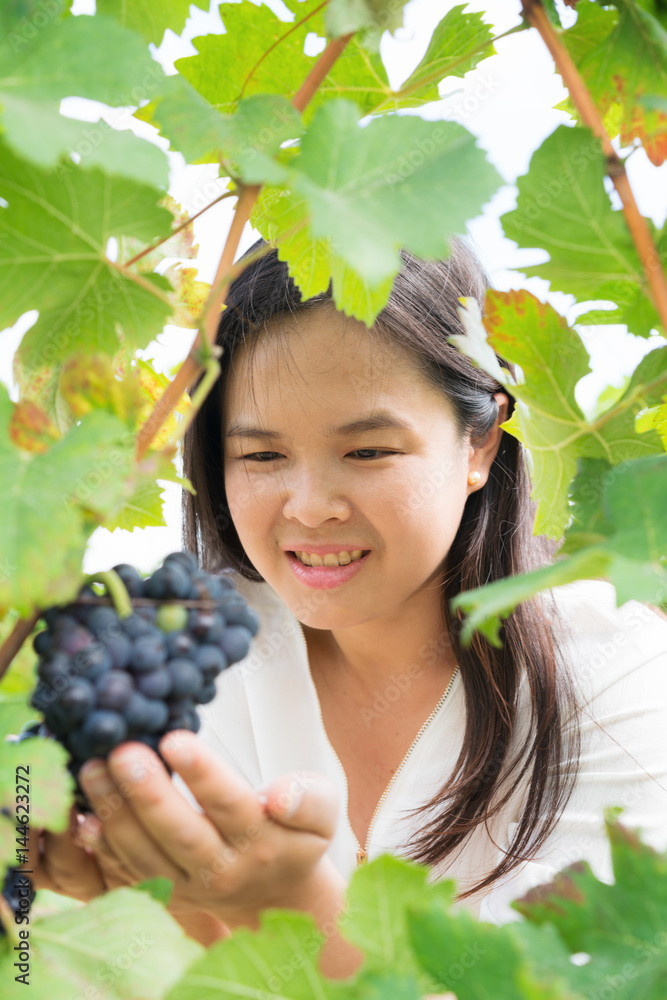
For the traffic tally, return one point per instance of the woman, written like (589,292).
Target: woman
(355,481)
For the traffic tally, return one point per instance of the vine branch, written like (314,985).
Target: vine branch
(535,14)
(197,357)
(15,640)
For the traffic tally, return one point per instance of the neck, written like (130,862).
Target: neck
(410,652)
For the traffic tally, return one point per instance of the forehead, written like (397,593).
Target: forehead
(321,350)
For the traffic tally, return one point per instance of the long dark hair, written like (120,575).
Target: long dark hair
(494,541)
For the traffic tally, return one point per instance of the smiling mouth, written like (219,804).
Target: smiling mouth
(331,559)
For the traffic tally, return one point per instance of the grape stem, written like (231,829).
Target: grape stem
(116,588)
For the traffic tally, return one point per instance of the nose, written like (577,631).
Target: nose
(311,496)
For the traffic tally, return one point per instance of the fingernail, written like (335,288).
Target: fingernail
(290,802)
(95,779)
(89,831)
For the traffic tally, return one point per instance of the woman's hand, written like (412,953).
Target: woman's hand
(60,863)
(239,856)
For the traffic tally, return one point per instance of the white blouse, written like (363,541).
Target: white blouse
(266,721)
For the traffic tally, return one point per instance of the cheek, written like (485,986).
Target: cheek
(432,497)
(250,499)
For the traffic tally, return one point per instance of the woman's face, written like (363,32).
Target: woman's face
(398,491)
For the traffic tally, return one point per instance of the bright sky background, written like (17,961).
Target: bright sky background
(511,114)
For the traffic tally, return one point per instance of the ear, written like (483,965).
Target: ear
(480,459)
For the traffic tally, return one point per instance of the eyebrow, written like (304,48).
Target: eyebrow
(372,422)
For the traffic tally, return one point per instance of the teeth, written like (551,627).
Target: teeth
(330,559)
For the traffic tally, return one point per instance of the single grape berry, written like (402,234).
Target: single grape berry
(149,652)
(105,730)
(113,690)
(235,643)
(77,699)
(171,617)
(42,643)
(131,578)
(186,679)
(185,559)
(100,620)
(155,683)
(211,660)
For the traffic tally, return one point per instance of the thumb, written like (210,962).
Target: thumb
(302,800)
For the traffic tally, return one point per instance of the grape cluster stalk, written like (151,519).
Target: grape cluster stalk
(105,679)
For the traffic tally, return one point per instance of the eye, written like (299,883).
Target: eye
(255,457)
(374,453)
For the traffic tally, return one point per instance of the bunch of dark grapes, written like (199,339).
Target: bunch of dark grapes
(104,679)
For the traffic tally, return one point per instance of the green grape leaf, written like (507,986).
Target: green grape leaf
(612,924)
(547,419)
(486,606)
(246,140)
(53,258)
(14,712)
(375,918)
(618,532)
(95,145)
(564,209)
(552,12)
(609,395)
(54,500)
(39,67)
(149,18)
(260,54)
(159,888)
(398,182)
(343,17)
(143,509)
(475,960)
(278,960)
(629,64)
(459,42)
(122,944)
(313,264)
(592,27)
(51,785)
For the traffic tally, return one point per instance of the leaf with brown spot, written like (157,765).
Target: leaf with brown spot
(97,382)
(629,67)
(189,297)
(31,429)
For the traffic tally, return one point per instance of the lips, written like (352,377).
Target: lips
(325,577)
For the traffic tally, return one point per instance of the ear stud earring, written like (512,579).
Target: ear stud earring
(474,478)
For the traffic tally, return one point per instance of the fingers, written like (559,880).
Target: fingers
(114,873)
(128,839)
(304,800)
(63,866)
(226,798)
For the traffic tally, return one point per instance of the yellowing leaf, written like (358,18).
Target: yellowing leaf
(31,429)
(189,295)
(153,385)
(94,382)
